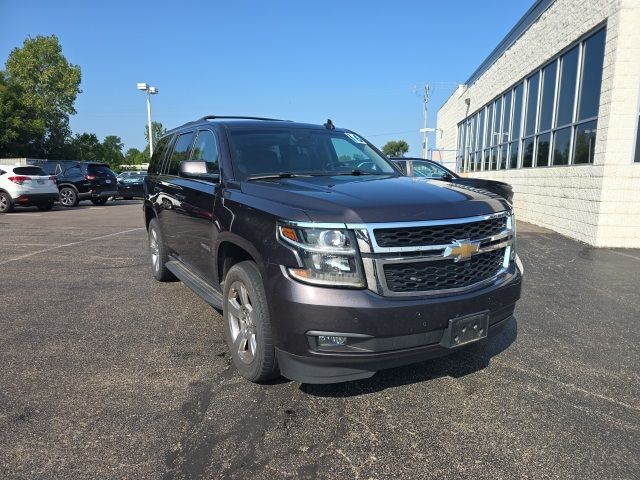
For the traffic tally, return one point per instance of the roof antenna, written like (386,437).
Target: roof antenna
(329,125)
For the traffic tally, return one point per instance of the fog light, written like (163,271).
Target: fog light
(331,341)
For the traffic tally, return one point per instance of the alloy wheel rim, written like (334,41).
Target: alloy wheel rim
(155,250)
(66,197)
(242,325)
(3,203)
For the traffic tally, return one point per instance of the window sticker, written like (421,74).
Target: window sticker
(355,138)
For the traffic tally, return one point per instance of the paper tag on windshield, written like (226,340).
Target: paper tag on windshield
(355,137)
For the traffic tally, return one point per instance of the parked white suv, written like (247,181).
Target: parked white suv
(26,185)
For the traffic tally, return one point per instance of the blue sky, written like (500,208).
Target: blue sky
(356,62)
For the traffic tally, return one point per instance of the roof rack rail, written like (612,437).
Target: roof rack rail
(213,117)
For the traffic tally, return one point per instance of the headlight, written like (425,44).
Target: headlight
(329,255)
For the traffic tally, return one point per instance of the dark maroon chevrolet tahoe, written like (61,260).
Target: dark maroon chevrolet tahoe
(327,263)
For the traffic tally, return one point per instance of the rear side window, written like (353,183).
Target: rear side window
(206,150)
(50,168)
(158,154)
(180,153)
(101,170)
(33,171)
(73,171)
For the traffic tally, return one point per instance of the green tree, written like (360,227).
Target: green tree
(135,157)
(19,126)
(157,131)
(86,146)
(112,151)
(395,148)
(45,85)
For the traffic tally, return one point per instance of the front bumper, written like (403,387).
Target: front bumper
(398,330)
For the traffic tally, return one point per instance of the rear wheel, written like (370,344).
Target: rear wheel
(247,323)
(6,205)
(69,197)
(159,254)
(45,207)
(99,201)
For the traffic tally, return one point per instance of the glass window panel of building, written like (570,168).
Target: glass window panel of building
(551,117)
(517,112)
(567,90)
(548,95)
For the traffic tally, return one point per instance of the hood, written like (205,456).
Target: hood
(370,199)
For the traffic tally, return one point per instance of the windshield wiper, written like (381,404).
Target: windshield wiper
(278,175)
(358,172)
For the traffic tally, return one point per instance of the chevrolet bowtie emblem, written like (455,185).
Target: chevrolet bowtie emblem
(461,250)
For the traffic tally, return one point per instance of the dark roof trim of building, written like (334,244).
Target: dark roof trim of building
(523,24)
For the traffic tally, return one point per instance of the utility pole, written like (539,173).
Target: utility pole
(425,121)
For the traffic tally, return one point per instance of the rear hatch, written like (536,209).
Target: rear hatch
(101,177)
(33,179)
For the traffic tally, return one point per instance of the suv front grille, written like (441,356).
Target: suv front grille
(439,234)
(442,274)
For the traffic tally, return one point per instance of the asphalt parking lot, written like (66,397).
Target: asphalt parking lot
(106,373)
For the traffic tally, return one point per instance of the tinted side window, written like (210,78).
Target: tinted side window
(206,150)
(73,171)
(180,153)
(158,154)
(49,168)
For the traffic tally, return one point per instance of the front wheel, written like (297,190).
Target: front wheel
(6,205)
(99,201)
(247,323)
(69,197)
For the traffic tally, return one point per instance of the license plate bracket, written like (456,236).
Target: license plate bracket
(465,330)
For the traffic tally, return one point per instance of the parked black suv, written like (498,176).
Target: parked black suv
(327,262)
(422,168)
(82,181)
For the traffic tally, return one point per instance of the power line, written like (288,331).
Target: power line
(389,133)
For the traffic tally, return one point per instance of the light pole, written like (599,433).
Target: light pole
(150,91)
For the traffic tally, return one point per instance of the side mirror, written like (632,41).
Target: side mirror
(447,177)
(197,170)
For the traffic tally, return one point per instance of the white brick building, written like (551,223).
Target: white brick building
(555,111)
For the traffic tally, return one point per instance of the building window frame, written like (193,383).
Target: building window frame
(486,151)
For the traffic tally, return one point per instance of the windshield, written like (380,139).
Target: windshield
(301,151)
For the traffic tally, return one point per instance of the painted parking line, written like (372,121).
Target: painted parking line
(27,255)
(626,255)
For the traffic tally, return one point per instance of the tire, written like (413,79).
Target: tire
(99,201)
(247,323)
(45,207)
(69,197)
(6,205)
(159,254)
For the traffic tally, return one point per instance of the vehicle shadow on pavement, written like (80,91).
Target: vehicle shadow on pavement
(464,362)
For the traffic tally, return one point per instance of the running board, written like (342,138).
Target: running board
(201,288)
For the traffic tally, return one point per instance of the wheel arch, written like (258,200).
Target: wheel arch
(149,214)
(64,185)
(233,250)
